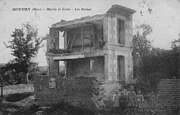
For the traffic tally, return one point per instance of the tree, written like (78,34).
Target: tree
(176,49)
(152,64)
(24,47)
(141,47)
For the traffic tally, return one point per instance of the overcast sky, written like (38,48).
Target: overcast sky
(164,19)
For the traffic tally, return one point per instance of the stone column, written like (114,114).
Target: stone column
(106,67)
(110,66)
(105,29)
(53,44)
(53,67)
(129,31)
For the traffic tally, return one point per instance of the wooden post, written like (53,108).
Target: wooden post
(91,39)
(1,87)
(72,41)
(82,38)
(1,99)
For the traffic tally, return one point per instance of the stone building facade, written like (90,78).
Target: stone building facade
(97,47)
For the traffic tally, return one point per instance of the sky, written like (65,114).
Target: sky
(164,18)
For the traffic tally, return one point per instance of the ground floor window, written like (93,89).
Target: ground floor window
(62,68)
(121,68)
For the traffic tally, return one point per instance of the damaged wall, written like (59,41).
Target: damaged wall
(87,67)
(99,47)
(86,38)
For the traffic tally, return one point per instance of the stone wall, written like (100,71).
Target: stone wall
(169,94)
(114,49)
(111,64)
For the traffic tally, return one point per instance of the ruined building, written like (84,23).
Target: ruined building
(97,47)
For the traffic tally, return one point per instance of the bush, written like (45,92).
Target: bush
(17,96)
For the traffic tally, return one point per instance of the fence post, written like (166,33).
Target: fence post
(1,99)
(1,87)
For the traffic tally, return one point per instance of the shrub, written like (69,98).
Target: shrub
(17,96)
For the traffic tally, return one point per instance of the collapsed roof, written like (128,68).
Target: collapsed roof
(113,10)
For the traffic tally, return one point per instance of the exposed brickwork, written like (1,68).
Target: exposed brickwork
(169,94)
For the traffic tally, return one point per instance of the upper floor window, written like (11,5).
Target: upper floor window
(121,31)
(61,40)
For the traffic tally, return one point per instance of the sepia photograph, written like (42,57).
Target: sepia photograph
(90,57)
